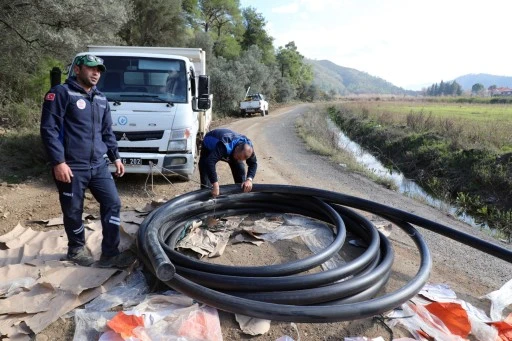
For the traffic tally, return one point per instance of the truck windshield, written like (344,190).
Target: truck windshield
(139,79)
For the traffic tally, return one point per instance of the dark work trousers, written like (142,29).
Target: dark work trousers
(71,196)
(237,169)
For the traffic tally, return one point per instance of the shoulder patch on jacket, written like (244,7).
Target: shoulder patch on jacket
(49,96)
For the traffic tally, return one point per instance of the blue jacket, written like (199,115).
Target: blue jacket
(219,144)
(76,126)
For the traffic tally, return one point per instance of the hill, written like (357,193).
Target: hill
(467,81)
(346,81)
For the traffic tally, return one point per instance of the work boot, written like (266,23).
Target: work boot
(80,257)
(122,260)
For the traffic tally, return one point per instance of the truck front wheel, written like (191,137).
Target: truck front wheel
(242,113)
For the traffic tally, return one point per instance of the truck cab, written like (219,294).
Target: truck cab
(160,105)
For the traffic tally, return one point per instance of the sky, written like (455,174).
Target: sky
(410,43)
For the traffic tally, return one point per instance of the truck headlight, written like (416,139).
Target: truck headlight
(177,145)
(181,140)
(180,134)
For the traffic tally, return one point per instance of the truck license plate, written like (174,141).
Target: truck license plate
(131,161)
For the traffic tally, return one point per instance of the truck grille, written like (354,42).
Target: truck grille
(138,149)
(139,135)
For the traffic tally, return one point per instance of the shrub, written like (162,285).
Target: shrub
(20,115)
(419,121)
(31,161)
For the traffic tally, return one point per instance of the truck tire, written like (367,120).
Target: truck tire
(242,113)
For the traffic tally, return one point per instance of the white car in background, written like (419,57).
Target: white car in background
(254,103)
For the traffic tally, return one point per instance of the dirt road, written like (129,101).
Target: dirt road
(284,159)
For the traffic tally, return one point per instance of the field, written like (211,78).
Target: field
(470,124)
(472,112)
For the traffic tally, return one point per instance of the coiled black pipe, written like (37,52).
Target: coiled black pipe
(279,292)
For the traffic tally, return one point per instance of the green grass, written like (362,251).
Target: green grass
(486,113)
(472,112)
(469,125)
(312,127)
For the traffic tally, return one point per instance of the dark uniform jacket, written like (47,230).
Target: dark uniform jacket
(76,126)
(219,145)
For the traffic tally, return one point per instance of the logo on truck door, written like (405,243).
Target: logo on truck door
(122,120)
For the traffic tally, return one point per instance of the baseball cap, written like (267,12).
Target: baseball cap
(90,60)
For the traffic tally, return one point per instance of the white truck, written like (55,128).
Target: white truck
(254,103)
(160,103)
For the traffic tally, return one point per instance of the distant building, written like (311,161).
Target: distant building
(501,92)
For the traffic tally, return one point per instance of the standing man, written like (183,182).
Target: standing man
(233,148)
(76,129)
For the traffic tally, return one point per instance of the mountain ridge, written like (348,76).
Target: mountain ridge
(331,77)
(467,81)
(341,80)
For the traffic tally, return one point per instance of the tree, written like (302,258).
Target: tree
(492,90)
(259,76)
(312,93)
(477,88)
(155,23)
(223,21)
(34,31)
(230,79)
(292,66)
(190,7)
(284,90)
(255,34)
(204,41)
(227,84)
(216,13)
(449,89)
(456,89)
(227,46)
(442,90)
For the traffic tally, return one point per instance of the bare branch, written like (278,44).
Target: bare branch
(26,40)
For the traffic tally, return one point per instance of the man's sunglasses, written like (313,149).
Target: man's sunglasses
(94,58)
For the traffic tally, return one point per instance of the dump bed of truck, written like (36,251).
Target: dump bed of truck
(195,55)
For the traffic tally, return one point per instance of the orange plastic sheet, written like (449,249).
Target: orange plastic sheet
(125,324)
(201,325)
(504,329)
(453,316)
(161,317)
(423,324)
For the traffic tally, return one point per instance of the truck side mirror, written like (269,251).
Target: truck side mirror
(203,86)
(204,101)
(55,76)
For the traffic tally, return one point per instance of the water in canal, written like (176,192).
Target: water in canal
(404,185)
